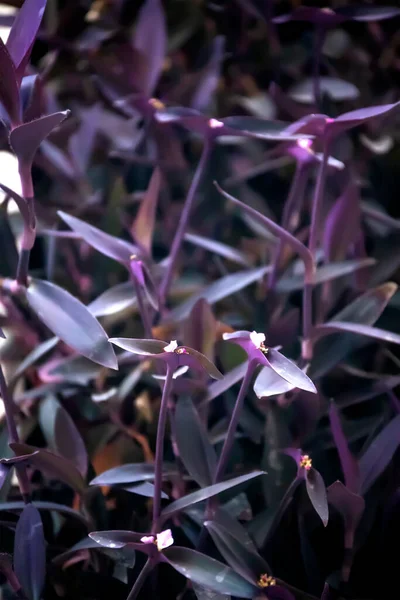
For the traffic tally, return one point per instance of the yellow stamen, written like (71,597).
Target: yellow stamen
(266,581)
(305,462)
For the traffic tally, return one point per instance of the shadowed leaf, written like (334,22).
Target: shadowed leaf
(289,371)
(24,30)
(379,454)
(9,94)
(348,462)
(317,493)
(143,226)
(195,449)
(30,552)
(71,321)
(208,572)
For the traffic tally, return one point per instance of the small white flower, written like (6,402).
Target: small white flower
(257,338)
(214,123)
(164,539)
(171,347)
(304,143)
(148,539)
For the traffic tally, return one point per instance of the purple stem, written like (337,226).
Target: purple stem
(28,215)
(318,199)
(144,313)
(294,199)
(184,220)
(158,462)
(137,586)
(13,436)
(230,436)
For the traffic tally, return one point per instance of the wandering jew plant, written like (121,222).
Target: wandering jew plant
(170,171)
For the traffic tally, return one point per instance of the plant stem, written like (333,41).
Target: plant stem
(158,462)
(230,436)
(318,199)
(294,198)
(28,214)
(144,313)
(137,586)
(13,436)
(184,220)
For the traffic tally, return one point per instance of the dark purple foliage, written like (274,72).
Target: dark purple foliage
(199,300)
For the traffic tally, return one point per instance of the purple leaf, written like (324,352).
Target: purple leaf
(141,347)
(61,433)
(9,93)
(218,248)
(37,353)
(365,12)
(342,224)
(365,330)
(329,272)
(220,289)
(114,300)
(115,538)
(207,492)
(202,360)
(269,383)
(50,506)
(111,246)
(357,117)
(317,493)
(338,90)
(51,464)
(217,388)
(24,30)
(71,321)
(209,572)
(26,139)
(319,16)
(350,505)
(143,226)
(143,489)
(209,81)
(258,128)
(129,473)
(348,462)
(195,450)
(244,561)
(31,98)
(200,329)
(30,552)
(289,371)
(379,454)
(150,38)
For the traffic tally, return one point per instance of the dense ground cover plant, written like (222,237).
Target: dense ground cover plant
(199,307)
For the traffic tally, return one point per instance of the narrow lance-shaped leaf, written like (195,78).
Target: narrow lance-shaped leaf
(348,462)
(248,563)
(30,552)
(150,38)
(9,93)
(364,330)
(26,139)
(218,248)
(115,538)
(220,289)
(143,226)
(379,454)
(209,572)
(51,464)
(269,383)
(195,449)
(342,224)
(217,388)
(71,321)
(36,354)
(207,492)
(129,473)
(317,493)
(200,329)
(350,505)
(61,433)
(110,246)
(24,30)
(209,81)
(365,310)
(289,371)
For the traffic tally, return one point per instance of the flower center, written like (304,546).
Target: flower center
(181,351)
(305,462)
(266,581)
(171,347)
(157,104)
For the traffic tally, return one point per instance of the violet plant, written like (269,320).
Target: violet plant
(161,192)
